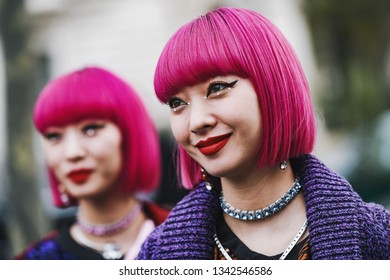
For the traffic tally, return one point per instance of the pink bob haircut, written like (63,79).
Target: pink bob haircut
(234,41)
(95,93)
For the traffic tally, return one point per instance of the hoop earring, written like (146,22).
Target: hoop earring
(283,165)
(209,186)
(63,195)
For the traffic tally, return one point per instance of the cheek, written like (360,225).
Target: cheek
(53,161)
(179,129)
(249,104)
(107,147)
(253,131)
(117,159)
(110,156)
(52,158)
(108,152)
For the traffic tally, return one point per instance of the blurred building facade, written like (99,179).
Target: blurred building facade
(5,248)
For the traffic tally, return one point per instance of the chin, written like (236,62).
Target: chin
(221,171)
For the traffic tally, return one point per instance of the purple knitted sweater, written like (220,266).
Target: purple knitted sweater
(341,226)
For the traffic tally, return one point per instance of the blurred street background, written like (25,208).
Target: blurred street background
(344,47)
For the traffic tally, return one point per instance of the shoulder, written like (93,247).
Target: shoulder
(331,200)
(375,214)
(156,212)
(374,220)
(191,220)
(150,245)
(196,200)
(45,249)
(320,182)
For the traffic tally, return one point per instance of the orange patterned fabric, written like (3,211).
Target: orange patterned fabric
(304,253)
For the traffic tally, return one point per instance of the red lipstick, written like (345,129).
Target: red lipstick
(213,145)
(80,176)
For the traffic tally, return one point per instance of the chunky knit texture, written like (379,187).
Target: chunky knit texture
(341,226)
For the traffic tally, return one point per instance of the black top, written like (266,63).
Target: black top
(65,240)
(238,250)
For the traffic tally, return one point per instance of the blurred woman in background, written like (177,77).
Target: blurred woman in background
(101,148)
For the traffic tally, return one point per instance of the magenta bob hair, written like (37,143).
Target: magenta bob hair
(96,93)
(234,41)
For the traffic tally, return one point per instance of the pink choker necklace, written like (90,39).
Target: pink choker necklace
(105,229)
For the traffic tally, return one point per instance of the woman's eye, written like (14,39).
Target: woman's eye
(175,103)
(53,137)
(217,87)
(92,129)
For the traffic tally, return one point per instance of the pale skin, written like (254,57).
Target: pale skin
(222,106)
(94,145)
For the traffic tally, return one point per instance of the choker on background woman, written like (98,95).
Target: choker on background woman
(252,215)
(106,229)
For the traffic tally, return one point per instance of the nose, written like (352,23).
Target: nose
(201,116)
(74,149)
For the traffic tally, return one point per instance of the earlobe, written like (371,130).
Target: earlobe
(209,186)
(63,195)
(283,165)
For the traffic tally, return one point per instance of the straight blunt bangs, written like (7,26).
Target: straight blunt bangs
(194,54)
(72,98)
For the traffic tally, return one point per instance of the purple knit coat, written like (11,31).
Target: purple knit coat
(341,225)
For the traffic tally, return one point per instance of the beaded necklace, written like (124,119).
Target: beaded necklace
(252,215)
(106,229)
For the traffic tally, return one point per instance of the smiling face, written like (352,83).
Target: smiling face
(85,156)
(218,123)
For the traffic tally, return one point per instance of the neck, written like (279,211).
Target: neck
(257,189)
(125,241)
(110,209)
(120,210)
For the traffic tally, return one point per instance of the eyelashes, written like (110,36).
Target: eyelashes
(90,129)
(214,88)
(174,103)
(52,136)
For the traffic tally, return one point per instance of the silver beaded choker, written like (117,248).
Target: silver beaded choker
(252,215)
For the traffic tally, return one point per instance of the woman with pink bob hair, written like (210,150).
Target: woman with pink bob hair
(101,149)
(243,119)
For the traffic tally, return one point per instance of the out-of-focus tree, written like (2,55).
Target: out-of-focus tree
(352,42)
(23,195)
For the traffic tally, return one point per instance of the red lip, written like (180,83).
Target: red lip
(80,176)
(213,145)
